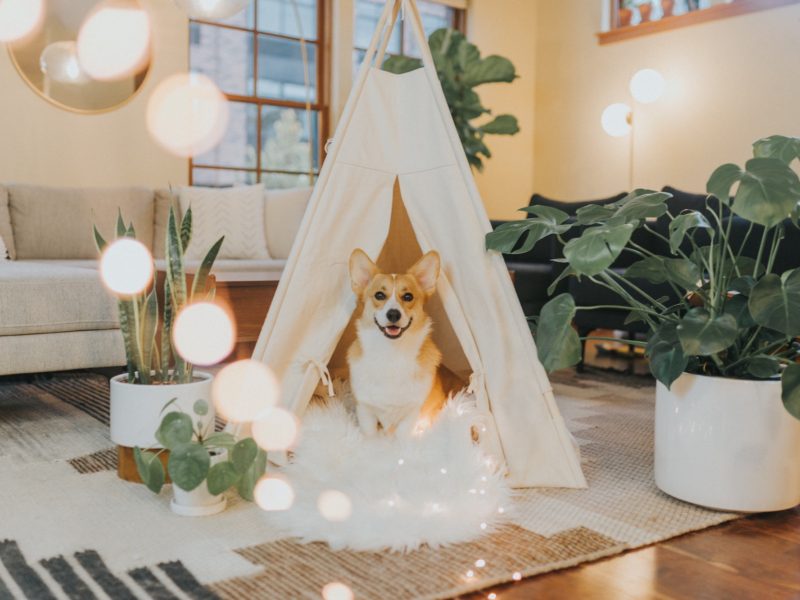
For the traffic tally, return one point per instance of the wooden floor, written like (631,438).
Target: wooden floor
(753,558)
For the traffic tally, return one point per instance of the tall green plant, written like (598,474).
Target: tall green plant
(147,361)
(461,69)
(731,316)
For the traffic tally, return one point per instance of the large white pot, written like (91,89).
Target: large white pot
(199,502)
(136,409)
(727,444)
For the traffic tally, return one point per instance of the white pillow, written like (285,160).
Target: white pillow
(283,213)
(237,213)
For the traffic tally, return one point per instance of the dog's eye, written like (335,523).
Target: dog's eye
(407,297)
(380,296)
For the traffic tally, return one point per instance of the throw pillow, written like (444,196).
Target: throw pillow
(283,213)
(237,213)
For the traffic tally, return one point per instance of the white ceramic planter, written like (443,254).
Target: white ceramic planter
(136,409)
(199,502)
(727,444)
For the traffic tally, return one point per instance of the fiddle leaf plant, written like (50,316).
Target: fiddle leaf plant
(729,315)
(461,69)
(191,446)
(148,361)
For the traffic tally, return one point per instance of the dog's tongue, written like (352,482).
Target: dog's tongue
(393,330)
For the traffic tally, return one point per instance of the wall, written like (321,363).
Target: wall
(730,82)
(508,28)
(45,144)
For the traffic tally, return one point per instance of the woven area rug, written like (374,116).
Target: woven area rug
(71,529)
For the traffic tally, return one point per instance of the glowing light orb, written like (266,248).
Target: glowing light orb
(517,576)
(273,494)
(59,61)
(203,333)
(187,114)
(19,18)
(212,9)
(647,85)
(114,40)
(616,120)
(337,591)
(276,431)
(335,506)
(480,563)
(244,391)
(126,267)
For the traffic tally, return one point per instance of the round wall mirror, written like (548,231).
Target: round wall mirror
(86,55)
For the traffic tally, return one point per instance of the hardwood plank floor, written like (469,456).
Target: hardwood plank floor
(754,558)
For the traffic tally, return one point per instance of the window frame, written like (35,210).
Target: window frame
(459,24)
(320,105)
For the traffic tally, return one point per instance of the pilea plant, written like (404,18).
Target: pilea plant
(191,446)
(729,315)
(461,69)
(148,361)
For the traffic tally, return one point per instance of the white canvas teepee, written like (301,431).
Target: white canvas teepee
(396,183)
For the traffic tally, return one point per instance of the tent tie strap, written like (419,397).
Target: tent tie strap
(324,375)
(476,382)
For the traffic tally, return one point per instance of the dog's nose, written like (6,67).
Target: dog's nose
(393,315)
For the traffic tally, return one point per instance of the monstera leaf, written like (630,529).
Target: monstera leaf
(546,221)
(657,269)
(558,343)
(790,389)
(701,333)
(667,359)
(781,147)
(683,224)
(775,302)
(598,247)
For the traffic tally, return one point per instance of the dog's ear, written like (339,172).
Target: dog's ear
(426,271)
(362,270)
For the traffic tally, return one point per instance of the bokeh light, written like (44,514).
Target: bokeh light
(244,391)
(212,9)
(187,114)
(126,267)
(647,85)
(114,40)
(59,62)
(273,494)
(337,591)
(20,18)
(334,505)
(204,333)
(616,120)
(276,431)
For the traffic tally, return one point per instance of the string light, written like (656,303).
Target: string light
(484,526)
(401,462)
(492,596)
(244,391)
(517,576)
(273,494)
(126,267)
(276,431)
(470,573)
(501,510)
(334,505)
(443,471)
(480,563)
(203,333)
(337,591)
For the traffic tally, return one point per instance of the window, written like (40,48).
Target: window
(256,58)
(434,16)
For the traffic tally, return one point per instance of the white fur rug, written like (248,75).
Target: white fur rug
(432,488)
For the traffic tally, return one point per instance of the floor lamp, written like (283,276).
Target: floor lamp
(646,87)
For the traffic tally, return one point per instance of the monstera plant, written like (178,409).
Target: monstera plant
(461,69)
(729,316)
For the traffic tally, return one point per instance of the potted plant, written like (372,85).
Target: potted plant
(202,464)
(724,347)
(461,69)
(667,7)
(625,13)
(156,374)
(645,8)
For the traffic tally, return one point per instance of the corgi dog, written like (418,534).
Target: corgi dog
(393,362)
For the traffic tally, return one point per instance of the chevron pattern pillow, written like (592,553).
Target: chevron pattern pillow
(237,213)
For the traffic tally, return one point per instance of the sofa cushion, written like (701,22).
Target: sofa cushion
(55,222)
(48,298)
(571,207)
(284,210)
(6,233)
(237,213)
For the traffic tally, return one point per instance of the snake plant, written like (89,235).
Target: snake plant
(151,361)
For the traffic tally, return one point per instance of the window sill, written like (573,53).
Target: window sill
(720,11)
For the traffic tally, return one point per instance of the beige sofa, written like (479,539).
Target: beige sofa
(55,313)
